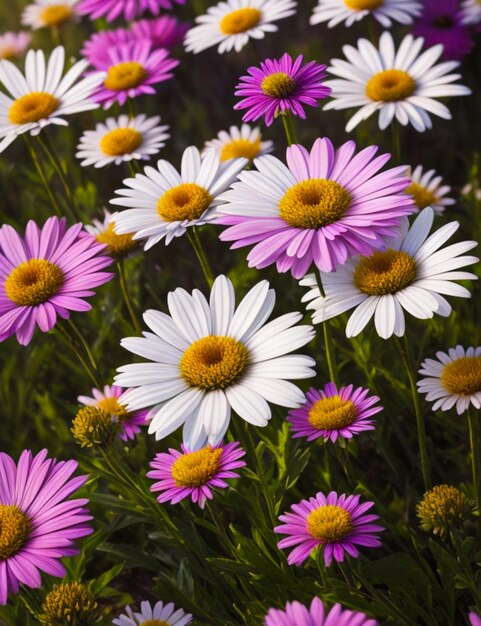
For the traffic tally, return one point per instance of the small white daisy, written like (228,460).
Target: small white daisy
(350,11)
(42,96)
(124,139)
(232,23)
(210,358)
(164,202)
(158,614)
(471,12)
(427,190)
(13,45)
(401,85)
(411,274)
(117,245)
(454,379)
(49,13)
(240,142)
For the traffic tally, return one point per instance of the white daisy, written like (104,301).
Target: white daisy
(42,96)
(454,379)
(401,85)
(351,11)
(49,13)
(159,614)
(411,274)
(471,12)
(427,190)
(13,45)
(232,23)
(124,139)
(210,358)
(117,245)
(240,142)
(164,202)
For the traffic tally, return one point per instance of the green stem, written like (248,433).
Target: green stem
(331,366)
(42,176)
(475,458)
(396,142)
(72,342)
(194,239)
(84,344)
(127,300)
(289,128)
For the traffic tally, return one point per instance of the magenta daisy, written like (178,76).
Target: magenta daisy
(163,32)
(296,614)
(281,85)
(47,274)
(192,475)
(324,207)
(96,49)
(38,525)
(129,9)
(333,413)
(336,524)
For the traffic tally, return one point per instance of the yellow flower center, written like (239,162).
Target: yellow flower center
(240,21)
(69,603)
(462,376)
(332,413)
(442,506)
(385,272)
(33,282)
(187,201)
(113,406)
(154,622)
(56,14)
(214,362)
(120,141)
(125,76)
(196,468)
(363,5)
(422,197)
(117,245)
(8,53)
(14,530)
(94,426)
(314,203)
(390,86)
(32,107)
(278,85)
(329,523)
(240,148)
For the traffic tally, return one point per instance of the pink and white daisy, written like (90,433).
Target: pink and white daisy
(39,524)
(332,523)
(333,413)
(13,45)
(50,13)
(163,32)
(193,475)
(245,142)
(128,9)
(160,614)
(296,614)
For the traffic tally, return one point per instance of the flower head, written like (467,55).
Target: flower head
(93,426)
(96,49)
(160,613)
(442,508)
(128,9)
(70,603)
(118,246)
(470,12)
(243,142)
(296,614)
(351,11)
(13,45)
(49,13)
(163,32)
(427,189)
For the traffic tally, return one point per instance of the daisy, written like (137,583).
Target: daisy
(49,13)
(240,142)
(164,202)
(232,23)
(454,379)
(351,11)
(471,12)
(39,524)
(331,413)
(48,273)
(335,524)
(427,189)
(42,96)
(103,231)
(124,139)
(163,32)
(160,613)
(402,85)
(326,206)
(13,45)
(192,475)
(296,614)
(411,274)
(279,86)
(209,358)
(108,400)
(129,9)
(96,49)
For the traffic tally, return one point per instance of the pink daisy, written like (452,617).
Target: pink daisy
(129,9)
(325,207)
(333,413)
(335,523)
(48,273)
(163,32)
(296,614)
(192,474)
(96,49)
(38,524)
(107,400)
(279,86)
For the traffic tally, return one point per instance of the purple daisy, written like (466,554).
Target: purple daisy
(130,9)
(48,273)
(38,525)
(335,523)
(325,207)
(130,421)
(192,474)
(296,614)
(281,85)
(163,32)
(333,413)
(96,49)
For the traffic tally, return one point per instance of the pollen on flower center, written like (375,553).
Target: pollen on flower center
(33,282)
(332,413)
(120,141)
(385,272)
(240,148)
(32,107)
(95,426)
(363,5)
(422,197)
(154,622)
(117,245)
(462,376)
(56,14)
(194,469)
(278,85)
(442,507)
(240,21)
(69,603)
(113,406)
(390,86)
(14,530)
(329,523)
(214,362)
(187,201)
(314,203)
(125,76)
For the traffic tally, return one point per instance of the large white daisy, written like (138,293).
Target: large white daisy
(471,12)
(401,85)
(245,141)
(49,13)
(411,274)
(210,358)
(427,189)
(350,11)
(232,23)
(42,96)
(164,202)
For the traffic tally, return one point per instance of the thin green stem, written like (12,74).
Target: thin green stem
(475,458)
(84,344)
(42,176)
(196,243)
(331,366)
(126,296)
(289,128)
(72,342)
(396,142)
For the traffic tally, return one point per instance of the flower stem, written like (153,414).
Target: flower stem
(475,458)
(127,300)
(289,128)
(74,345)
(327,335)
(396,142)
(194,239)
(42,176)
(84,344)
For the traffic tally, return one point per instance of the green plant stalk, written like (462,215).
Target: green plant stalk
(475,443)
(126,296)
(42,176)
(396,142)
(84,344)
(196,243)
(331,366)
(72,342)
(289,128)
